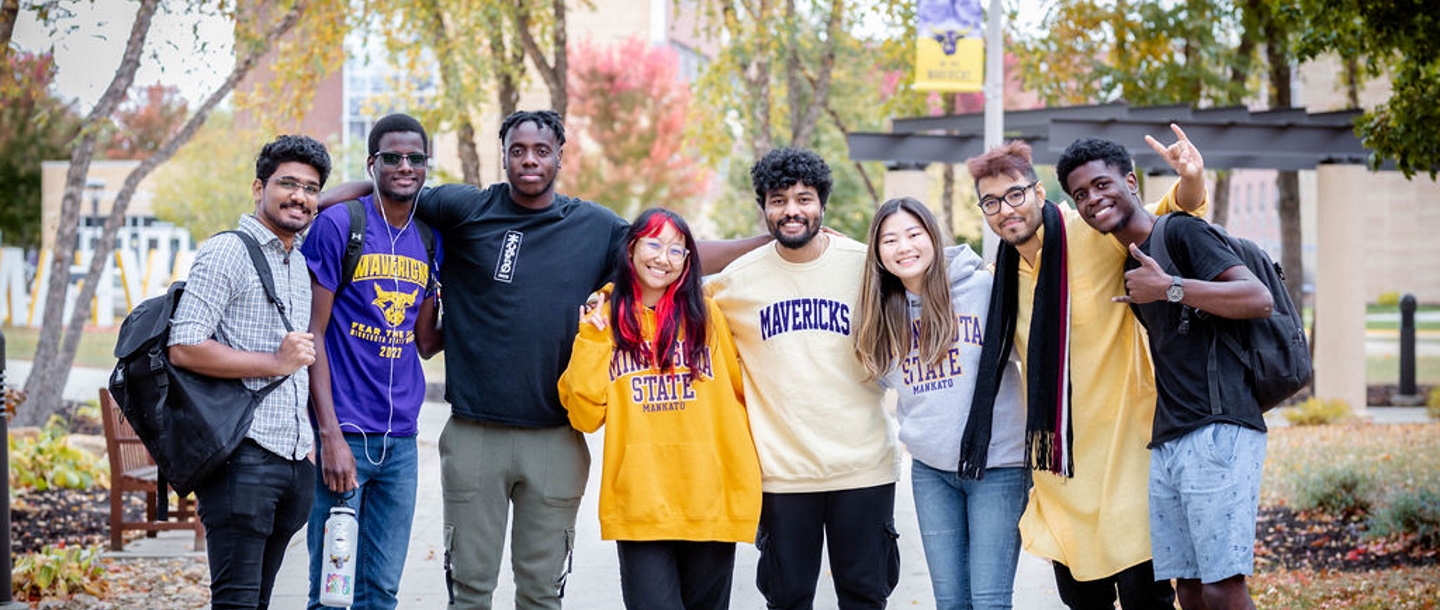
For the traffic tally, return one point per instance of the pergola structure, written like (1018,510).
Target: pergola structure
(1229,138)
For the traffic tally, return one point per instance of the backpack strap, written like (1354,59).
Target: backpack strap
(354,244)
(1160,251)
(267,280)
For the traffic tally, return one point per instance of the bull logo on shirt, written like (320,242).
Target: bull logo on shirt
(393,303)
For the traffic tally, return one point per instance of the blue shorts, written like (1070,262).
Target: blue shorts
(1204,494)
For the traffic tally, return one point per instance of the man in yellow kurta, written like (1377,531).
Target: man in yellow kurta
(1094,526)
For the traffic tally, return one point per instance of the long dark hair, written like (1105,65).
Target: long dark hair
(884,336)
(680,309)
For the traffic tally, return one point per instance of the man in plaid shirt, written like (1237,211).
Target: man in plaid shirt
(225,327)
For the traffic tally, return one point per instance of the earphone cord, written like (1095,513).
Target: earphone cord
(390,380)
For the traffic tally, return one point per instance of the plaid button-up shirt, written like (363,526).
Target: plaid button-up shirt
(224,299)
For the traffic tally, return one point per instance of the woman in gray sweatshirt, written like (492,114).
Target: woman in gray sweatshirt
(921,323)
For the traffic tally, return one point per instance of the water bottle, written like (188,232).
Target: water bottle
(337,574)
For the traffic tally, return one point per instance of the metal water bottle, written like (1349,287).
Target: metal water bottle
(337,574)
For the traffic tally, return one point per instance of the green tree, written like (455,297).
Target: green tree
(627,111)
(34,126)
(1397,37)
(203,188)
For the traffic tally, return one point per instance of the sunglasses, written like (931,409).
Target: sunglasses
(393,159)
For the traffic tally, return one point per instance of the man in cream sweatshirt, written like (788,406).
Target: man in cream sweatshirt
(828,454)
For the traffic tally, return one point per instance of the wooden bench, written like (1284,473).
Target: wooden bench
(133,470)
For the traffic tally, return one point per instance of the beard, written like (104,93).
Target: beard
(795,242)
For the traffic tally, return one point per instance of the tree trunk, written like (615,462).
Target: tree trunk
(859,168)
(450,84)
(46,384)
(1220,198)
(551,71)
(1288,183)
(947,200)
(509,70)
(804,129)
(469,154)
(52,370)
(9,14)
(1277,54)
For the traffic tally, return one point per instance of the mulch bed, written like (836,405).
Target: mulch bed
(1293,540)
(65,517)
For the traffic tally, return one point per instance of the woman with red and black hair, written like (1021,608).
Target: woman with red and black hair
(656,365)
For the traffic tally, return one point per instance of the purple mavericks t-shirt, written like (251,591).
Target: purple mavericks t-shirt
(370,341)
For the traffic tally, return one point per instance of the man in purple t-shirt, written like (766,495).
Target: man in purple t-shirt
(366,383)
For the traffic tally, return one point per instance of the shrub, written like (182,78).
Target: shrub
(1416,513)
(59,573)
(1336,491)
(1316,412)
(48,461)
(1388,299)
(1432,403)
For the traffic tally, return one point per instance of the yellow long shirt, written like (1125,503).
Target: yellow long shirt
(1097,523)
(679,460)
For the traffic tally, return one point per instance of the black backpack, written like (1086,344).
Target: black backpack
(1273,350)
(190,423)
(355,245)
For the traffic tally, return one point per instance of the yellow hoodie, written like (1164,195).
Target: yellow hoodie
(679,461)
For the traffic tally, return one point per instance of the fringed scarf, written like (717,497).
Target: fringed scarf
(1048,442)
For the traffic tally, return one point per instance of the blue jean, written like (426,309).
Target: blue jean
(384,507)
(970,531)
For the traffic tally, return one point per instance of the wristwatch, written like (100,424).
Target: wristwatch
(1176,291)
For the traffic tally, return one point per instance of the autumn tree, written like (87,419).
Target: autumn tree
(628,111)
(55,350)
(1398,38)
(34,126)
(144,121)
(795,73)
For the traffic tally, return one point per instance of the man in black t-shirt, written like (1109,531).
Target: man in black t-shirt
(1206,458)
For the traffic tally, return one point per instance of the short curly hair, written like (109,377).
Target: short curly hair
(396,123)
(783,168)
(287,148)
(1085,150)
(544,119)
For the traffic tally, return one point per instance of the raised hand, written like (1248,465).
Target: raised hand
(593,311)
(1182,156)
(1145,284)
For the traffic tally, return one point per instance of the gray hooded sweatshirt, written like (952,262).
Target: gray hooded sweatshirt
(934,402)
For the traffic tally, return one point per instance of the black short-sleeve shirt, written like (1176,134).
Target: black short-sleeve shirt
(1181,359)
(513,282)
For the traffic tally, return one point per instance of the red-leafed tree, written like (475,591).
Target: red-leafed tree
(627,112)
(146,121)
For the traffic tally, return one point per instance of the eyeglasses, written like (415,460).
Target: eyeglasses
(1014,196)
(393,159)
(655,247)
(292,185)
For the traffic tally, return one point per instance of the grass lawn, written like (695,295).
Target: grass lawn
(1386,369)
(97,348)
